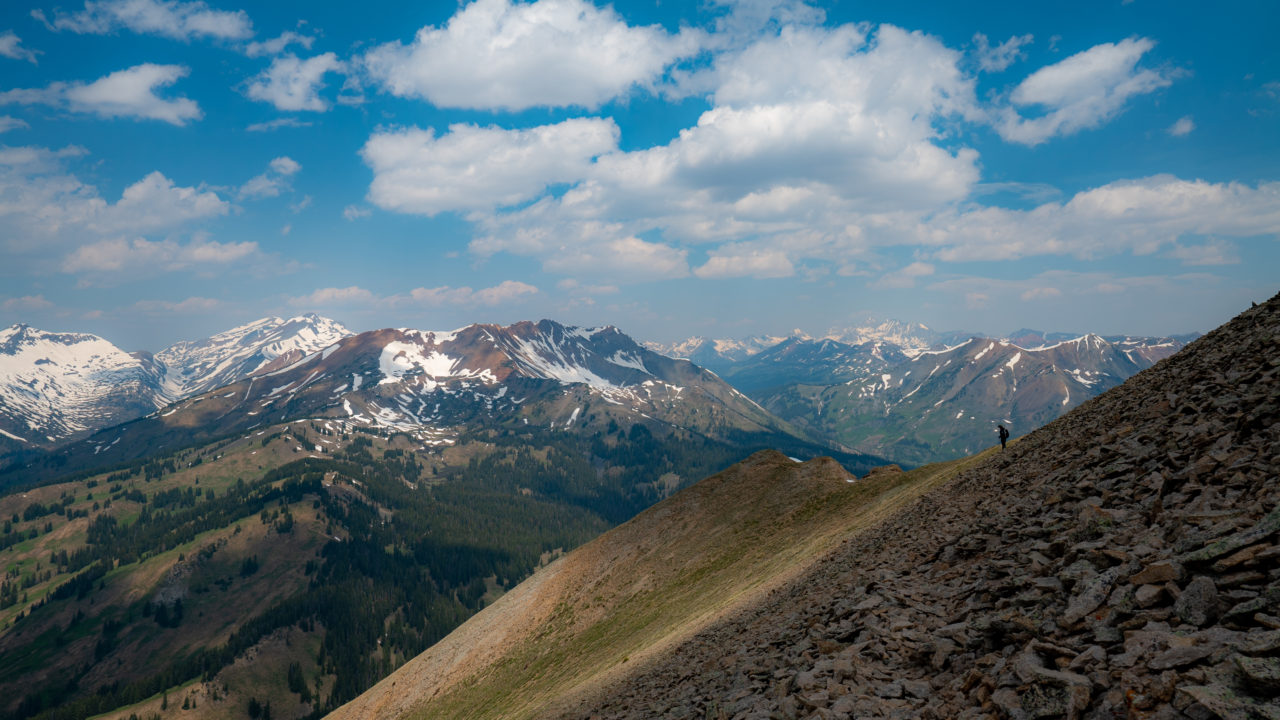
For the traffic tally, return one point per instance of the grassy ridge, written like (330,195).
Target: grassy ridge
(644,586)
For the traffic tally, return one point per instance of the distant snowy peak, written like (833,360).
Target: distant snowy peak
(258,347)
(53,385)
(909,337)
(434,384)
(718,353)
(603,358)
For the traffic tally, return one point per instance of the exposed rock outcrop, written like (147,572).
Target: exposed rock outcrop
(1122,561)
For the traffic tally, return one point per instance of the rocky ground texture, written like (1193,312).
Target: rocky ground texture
(1122,561)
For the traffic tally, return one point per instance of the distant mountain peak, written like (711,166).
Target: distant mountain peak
(259,346)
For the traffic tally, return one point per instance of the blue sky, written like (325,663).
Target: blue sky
(169,169)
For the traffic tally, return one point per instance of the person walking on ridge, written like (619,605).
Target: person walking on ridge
(1004,434)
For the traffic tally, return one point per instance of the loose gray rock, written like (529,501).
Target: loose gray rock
(1198,603)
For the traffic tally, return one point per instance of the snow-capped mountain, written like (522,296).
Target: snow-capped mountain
(55,385)
(943,403)
(910,338)
(718,354)
(436,387)
(199,366)
(809,361)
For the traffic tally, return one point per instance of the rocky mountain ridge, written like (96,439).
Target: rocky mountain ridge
(258,347)
(58,386)
(1119,562)
(438,388)
(947,403)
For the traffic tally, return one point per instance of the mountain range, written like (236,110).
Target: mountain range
(56,387)
(337,514)
(60,386)
(278,545)
(1118,562)
(938,404)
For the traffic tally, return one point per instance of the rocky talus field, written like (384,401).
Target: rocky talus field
(1121,562)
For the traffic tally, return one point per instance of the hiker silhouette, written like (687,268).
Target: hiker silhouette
(1004,434)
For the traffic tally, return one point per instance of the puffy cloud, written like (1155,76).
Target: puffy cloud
(155,203)
(285,165)
(813,129)
(504,292)
(602,250)
(168,18)
(293,84)
(478,168)
(1137,216)
(272,182)
(1000,57)
(496,54)
(625,257)
(120,255)
(45,209)
(746,261)
(11,47)
(276,45)
(904,277)
(354,212)
(1080,92)
(124,93)
(1182,127)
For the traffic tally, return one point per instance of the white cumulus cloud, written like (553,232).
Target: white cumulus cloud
(276,45)
(999,57)
(1137,216)
(738,261)
(905,277)
(812,130)
(139,254)
(125,93)
(272,182)
(478,168)
(168,18)
(293,84)
(44,208)
(502,293)
(503,55)
(1182,127)
(1080,92)
(155,203)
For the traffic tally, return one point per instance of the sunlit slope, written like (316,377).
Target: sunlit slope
(606,608)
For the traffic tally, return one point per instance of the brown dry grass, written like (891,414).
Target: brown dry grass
(606,609)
